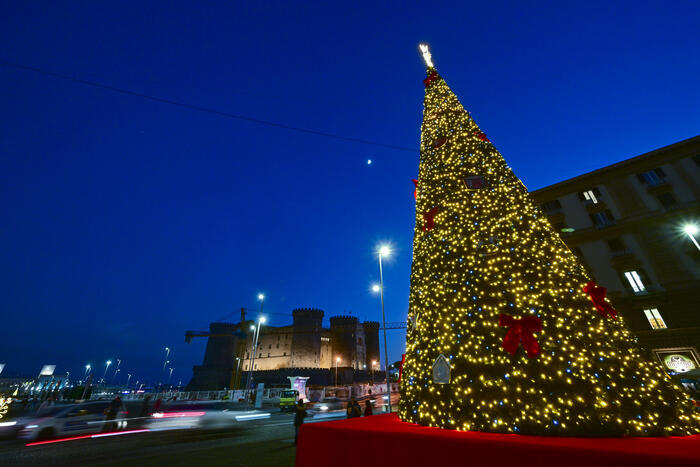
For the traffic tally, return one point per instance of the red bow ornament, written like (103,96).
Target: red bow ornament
(597,294)
(481,135)
(415,191)
(429,218)
(520,332)
(431,77)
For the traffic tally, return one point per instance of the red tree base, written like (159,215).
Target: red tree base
(385,440)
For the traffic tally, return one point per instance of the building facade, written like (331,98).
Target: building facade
(625,222)
(305,346)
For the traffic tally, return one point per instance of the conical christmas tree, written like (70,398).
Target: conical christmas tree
(502,335)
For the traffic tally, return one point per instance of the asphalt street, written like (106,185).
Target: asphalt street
(267,442)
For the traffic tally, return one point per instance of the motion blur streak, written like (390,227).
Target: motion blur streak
(252,416)
(99,435)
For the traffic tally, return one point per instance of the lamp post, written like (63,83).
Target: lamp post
(128,379)
(87,370)
(384,250)
(119,362)
(691,230)
(337,360)
(171,374)
(165,360)
(107,364)
(256,335)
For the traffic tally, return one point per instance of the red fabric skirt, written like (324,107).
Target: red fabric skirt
(385,440)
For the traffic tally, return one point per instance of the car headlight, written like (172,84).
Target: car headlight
(31,427)
(324,407)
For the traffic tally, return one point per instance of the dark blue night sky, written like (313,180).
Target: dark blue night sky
(126,222)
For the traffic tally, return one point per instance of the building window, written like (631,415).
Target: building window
(616,245)
(652,177)
(269,346)
(260,356)
(590,196)
(655,319)
(550,206)
(667,200)
(285,354)
(246,355)
(635,281)
(278,346)
(268,355)
(246,367)
(602,219)
(255,367)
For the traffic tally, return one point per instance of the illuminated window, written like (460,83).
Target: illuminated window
(635,281)
(590,196)
(655,319)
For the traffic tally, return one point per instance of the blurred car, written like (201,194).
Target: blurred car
(328,404)
(77,419)
(201,415)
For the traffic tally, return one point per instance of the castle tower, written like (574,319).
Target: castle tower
(371,344)
(343,341)
(306,338)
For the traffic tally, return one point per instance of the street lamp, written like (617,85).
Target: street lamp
(384,251)
(337,360)
(119,362)
(691,230)
(171,374)
(87,369)
(256,335)
(167,354)
(108,363)
(128,379)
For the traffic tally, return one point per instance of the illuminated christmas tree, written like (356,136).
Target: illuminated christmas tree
(507,332)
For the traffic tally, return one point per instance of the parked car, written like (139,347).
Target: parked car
(201,415)
(77,419)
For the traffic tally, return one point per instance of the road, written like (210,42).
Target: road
(266,442)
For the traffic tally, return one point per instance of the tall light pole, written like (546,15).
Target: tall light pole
(128,379)
(384,250)
(691,230)
(171,374)
(337,360)
(107,364)
(87,370)
(119,362)
(256,335)
(165,360)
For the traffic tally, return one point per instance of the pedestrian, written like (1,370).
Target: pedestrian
(299,417)
(368,408)
(114,407)
(145,406)
(353,409)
